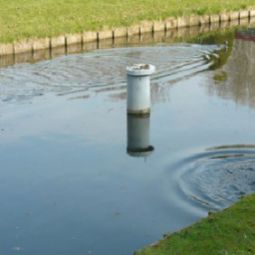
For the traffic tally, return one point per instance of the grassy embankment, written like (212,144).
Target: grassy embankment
(21,19)
(230,232)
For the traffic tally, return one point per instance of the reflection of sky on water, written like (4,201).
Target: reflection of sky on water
(67,184)
(45,116)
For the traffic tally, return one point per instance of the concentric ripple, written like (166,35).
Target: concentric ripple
(218,177)
(87,74)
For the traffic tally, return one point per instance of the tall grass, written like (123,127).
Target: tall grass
(230,232)
(40,18)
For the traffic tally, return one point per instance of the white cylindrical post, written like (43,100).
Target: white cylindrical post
(139,98)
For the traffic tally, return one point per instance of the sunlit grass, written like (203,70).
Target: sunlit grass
(40,18)
(230,232)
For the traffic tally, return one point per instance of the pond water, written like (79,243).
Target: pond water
(68,184)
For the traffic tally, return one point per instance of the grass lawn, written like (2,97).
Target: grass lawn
(230,232)
(40,18)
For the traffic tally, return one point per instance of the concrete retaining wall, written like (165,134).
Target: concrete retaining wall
(170,35)
(66,41)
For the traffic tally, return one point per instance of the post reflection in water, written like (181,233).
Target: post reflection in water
(138,136)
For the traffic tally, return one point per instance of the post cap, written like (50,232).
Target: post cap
(141,69)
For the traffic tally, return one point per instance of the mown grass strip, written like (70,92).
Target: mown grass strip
(230,232)
(21,19)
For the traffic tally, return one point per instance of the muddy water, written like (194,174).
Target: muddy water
(69,180)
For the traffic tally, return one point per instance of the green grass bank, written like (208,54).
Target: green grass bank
(22,19)
(230,232)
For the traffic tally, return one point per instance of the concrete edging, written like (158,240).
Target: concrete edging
(33,45)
